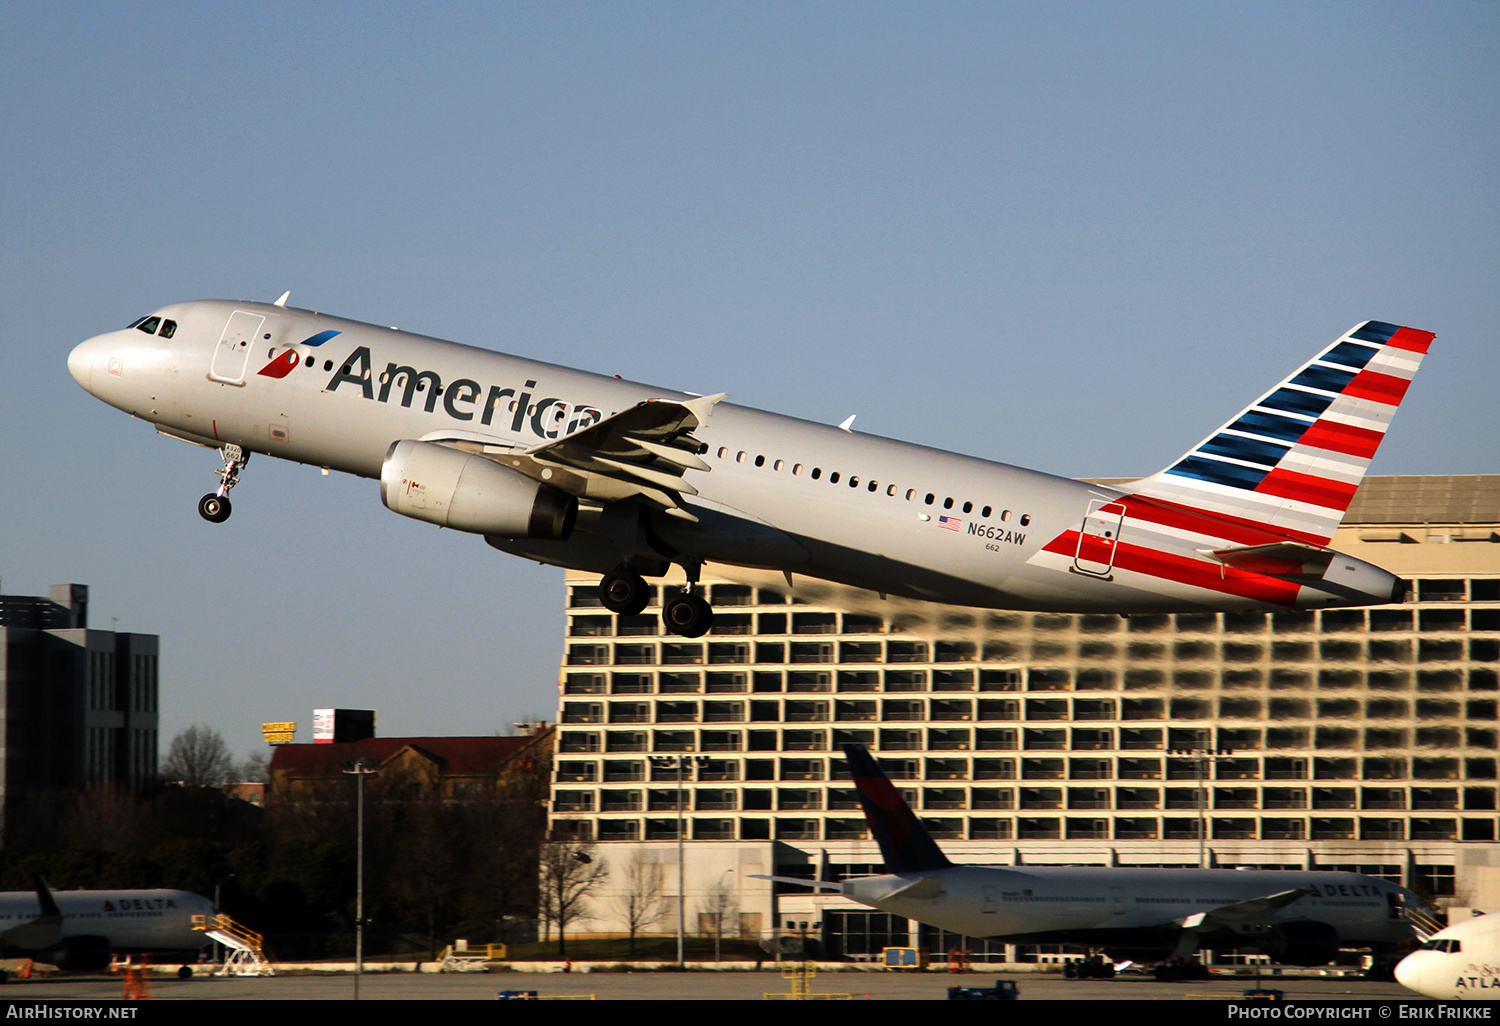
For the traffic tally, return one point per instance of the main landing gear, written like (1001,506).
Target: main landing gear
(1094,967)
(625,592)
(214,507)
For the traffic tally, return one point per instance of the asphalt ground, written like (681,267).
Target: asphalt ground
(698,986)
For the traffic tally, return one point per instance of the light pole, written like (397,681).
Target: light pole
(681,761)
(1203,757)
(721,902)
(359,769)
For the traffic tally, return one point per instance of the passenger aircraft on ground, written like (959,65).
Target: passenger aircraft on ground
(82,929)
(1297,918)
(622,479)
(1462,962)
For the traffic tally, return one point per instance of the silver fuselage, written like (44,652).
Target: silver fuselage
(342,402)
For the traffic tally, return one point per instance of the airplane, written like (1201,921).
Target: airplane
(1460,962)
(614,477)
(1295,917)
(81,930)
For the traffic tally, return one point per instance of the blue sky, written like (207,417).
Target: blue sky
(1071,236)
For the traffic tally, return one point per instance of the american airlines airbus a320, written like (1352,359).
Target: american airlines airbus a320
(622,479)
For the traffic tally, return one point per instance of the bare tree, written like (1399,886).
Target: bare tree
(254,770)
(641,900)
(198,757)
(718,906)
(570,871)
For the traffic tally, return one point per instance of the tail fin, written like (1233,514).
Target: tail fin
(1294,458)
(48,904)
(905,844)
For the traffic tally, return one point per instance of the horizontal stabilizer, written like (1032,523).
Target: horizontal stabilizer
(820,885)
(1286,557)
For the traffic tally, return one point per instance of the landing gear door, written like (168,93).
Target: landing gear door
(1099,538)
(233,350)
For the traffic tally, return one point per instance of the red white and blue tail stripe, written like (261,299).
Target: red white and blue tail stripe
(1293,459)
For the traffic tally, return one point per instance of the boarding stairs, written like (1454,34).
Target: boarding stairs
(246,954)
(1422,922)
(458,957)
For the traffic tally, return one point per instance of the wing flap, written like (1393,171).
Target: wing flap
(643,452)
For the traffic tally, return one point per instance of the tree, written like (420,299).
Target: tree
(641,901)
(198,757)
(254,770)
(570,871)
(718,906)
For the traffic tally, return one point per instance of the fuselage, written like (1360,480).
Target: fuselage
(131,920)
(1461,962)
(780,493)
(1137,909)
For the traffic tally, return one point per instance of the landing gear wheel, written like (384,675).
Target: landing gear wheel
(624,592)
(214,508)
(687,615)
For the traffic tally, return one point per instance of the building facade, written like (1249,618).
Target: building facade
(78,706)
(1361,739)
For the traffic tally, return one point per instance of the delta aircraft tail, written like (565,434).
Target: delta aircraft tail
(1293,459)
(904,842)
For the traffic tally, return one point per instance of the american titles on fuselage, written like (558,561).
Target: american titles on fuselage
(546,417)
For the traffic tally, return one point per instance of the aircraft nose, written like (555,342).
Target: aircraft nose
(81,363)
(1409,972)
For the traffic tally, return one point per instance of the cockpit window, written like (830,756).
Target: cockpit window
(149,325)
(168,329)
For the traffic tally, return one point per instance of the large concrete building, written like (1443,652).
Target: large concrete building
(1351,738)
(78,706)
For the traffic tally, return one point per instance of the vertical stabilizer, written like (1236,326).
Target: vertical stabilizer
(1293,458)
(904,842)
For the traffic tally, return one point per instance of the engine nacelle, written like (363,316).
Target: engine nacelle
(1306,942)
(79,954)
(467,492)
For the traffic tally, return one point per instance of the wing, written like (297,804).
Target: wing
(644,452)
(1251,910)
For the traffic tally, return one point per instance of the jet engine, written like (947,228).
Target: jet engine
(78,954)
(464,491)
(1306,942)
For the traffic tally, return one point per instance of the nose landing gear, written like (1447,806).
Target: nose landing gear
(215,507)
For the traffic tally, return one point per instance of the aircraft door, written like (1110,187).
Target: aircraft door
(1099,538)
(1117,901)
(990,901)
(233,350)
